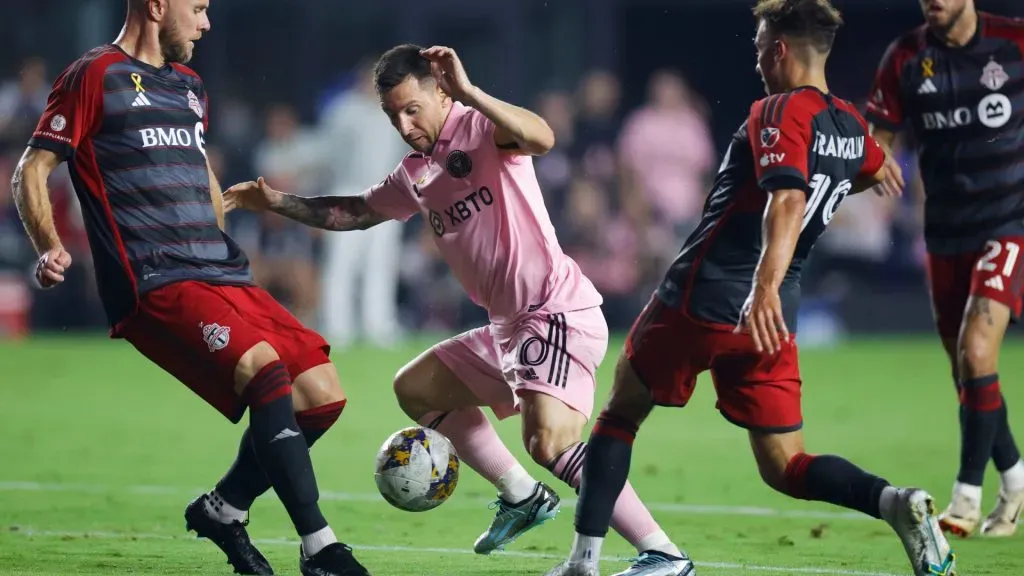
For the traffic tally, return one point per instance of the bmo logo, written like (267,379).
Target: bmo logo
(994,110)
(948,119)
(174,137)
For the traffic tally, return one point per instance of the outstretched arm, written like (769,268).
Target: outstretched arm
(337,213)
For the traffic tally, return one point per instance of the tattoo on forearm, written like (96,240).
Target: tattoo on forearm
(329,212)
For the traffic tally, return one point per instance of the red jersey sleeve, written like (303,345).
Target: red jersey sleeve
(884,108)
(779,129)
(73,111)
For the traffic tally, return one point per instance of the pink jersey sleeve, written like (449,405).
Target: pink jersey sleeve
(392,197)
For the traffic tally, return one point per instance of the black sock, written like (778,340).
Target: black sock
(836,481)
(245,480)
(605,471)
(281,449)
(980,399)
(1004,450)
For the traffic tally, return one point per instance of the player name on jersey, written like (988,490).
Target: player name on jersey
(846,148)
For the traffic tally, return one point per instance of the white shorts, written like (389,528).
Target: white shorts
(554,354)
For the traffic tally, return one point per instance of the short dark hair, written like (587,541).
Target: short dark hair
(397,64)
(815,21)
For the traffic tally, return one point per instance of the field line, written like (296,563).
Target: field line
(29,532)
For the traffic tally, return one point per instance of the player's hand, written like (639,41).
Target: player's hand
(448,71)
(761,316)
(892,185)
(51,266)
(255,196)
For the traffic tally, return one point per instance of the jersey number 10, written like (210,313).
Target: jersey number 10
(821,186)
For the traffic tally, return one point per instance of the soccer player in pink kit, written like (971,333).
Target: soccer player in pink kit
(471,176)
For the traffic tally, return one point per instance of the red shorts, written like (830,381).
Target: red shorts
(197,332)
(668,350)
(996,273)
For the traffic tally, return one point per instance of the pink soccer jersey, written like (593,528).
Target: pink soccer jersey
(489,220)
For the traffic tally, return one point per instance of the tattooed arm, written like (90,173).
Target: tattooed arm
(329,212)
(338,213)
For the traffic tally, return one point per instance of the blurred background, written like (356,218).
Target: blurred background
(642,95)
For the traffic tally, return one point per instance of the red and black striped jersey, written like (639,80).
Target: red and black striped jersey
(965,108)
(133,137)
(804,140)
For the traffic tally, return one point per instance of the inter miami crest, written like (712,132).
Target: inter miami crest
(769,137)
(458,164)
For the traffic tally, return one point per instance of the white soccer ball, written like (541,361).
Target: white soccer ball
(417,469)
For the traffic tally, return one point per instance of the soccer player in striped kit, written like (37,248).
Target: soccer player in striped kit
(957,84)
(130,119)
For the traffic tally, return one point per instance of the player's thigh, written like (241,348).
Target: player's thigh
(757,391)
(459,372)
(194,333)
(304,352)
(949,286)
(997,285)
(664,351)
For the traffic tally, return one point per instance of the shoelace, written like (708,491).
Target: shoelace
(648,560)
(504,507)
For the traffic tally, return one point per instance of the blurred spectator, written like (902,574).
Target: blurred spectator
(361,267)
(554,169)
(605,246)
(290,160)
(667,154)
(597,127)
(22,101)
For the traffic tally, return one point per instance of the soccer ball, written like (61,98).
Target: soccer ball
(417,469)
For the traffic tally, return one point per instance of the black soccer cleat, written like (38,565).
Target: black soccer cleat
(334,560)
(231,538)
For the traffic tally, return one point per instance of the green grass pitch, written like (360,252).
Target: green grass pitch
(100,452)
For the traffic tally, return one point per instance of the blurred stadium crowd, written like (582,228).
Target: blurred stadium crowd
(624,188)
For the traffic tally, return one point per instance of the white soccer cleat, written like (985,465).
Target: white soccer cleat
(912,517)
(654,563)
(1002,521)
(962,516)
(569,568)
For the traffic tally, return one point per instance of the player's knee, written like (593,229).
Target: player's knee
(977,355)
(252,362)
(773,473)
(409,392)
(547,444)
(775,455)
(629,399)
(316,387)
